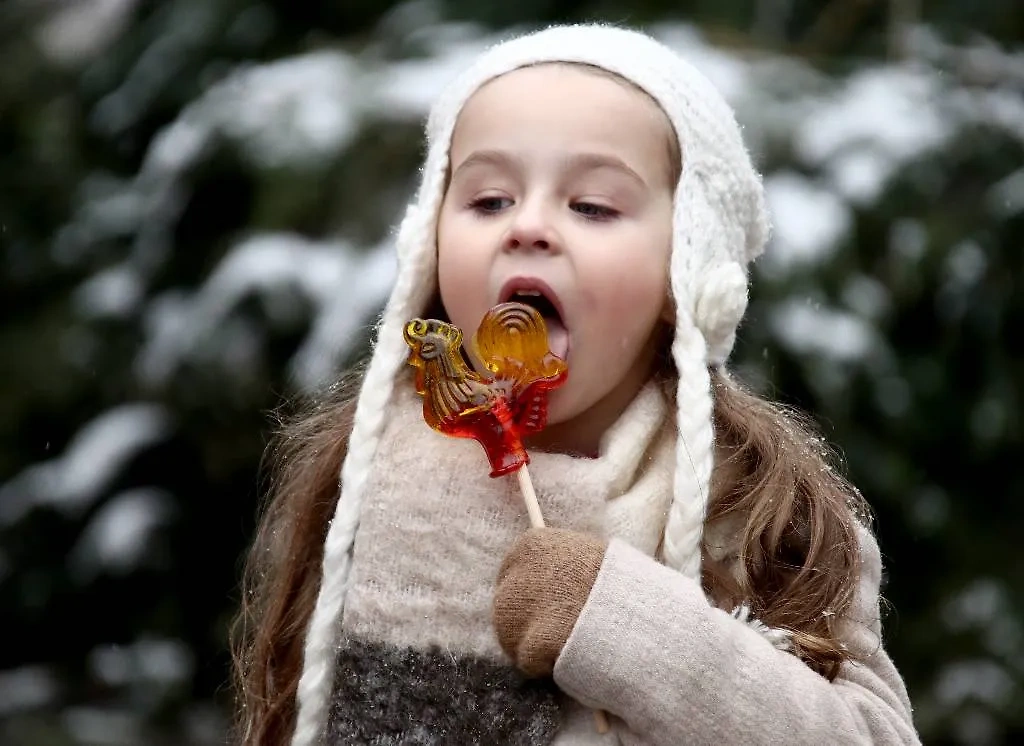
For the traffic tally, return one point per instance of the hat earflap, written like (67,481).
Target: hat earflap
(710,293)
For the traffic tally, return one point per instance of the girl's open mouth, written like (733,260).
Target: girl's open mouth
(537,294)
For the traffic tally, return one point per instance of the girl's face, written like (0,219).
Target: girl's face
(561,195)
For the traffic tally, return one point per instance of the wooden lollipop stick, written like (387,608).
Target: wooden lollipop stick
(537,521)
(530,497)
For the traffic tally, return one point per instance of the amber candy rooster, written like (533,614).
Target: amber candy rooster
(497,409)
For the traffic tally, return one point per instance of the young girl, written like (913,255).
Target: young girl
(706,577)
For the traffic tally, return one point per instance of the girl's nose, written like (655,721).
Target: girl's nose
(518,240)
(531,229)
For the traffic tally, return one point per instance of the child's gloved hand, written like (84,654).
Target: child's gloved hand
(542,587)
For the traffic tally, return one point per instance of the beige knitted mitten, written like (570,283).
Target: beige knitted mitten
(542,586)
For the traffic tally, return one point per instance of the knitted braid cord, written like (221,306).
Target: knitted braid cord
(389,356)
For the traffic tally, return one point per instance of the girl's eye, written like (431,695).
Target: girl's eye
(490,205)
(594,212)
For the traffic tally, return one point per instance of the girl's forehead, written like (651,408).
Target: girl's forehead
(566,106)
(548,83)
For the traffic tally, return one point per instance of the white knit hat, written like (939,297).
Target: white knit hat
(720,226)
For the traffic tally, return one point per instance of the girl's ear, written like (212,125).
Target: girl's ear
(668,310)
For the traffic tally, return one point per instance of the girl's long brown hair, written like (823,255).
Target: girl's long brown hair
(798,545)
(798,549)
(282,572)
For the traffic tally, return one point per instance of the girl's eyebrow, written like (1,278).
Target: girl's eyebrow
(583,162)
(498,158)
(573,162)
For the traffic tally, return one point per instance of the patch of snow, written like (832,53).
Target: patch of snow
(178,146)
(343,285)
(861,175)
(886,115)
(90,463)
(115,292)
(119,535)
(1006,198)
(163,661)
(978,680)
(976,605)
(727,71)
(80,30)
(183,27)
(908,240)
(27,688)
(837,335)
(342,316)
(965,264)
(986,605)
(296,110)
(866,296)
(1000,108)
(406,89)
(104,726)
(808,222)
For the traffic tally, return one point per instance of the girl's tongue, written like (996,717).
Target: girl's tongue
(558,336)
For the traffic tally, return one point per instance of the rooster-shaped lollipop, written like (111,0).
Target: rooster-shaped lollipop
(497,409)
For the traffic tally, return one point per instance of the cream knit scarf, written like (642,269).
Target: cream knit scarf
(418,660)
